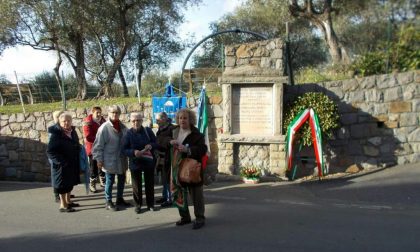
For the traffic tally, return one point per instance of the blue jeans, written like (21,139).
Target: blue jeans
(109,182)
(166,192)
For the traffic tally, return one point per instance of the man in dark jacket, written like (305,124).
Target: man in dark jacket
(164,135)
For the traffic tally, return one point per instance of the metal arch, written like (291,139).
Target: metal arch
(210,36)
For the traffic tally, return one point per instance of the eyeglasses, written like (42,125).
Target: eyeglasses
(137,120)
(115,112)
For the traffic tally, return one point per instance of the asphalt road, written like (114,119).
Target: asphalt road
(376,211)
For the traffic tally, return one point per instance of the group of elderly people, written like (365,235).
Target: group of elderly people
(109,143)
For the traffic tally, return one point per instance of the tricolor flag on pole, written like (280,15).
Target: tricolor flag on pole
(202,121)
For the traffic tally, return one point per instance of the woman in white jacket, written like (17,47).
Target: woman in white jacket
(107,151)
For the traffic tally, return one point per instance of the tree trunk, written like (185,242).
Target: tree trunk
(57,71)
(323,21)
(77,41)
(335,48)
(139,75)
(123,82)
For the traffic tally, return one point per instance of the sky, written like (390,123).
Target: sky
(27,62)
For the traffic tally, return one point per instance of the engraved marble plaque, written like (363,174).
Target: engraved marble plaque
(252,109)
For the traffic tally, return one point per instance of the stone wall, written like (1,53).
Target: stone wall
(23,139)
(379,118)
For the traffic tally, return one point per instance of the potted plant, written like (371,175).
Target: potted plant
(251,175)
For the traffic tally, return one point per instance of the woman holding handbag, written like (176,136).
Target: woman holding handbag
(138,144)
(187,142)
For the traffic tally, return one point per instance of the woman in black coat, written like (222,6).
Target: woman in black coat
(64,150)
(190,142)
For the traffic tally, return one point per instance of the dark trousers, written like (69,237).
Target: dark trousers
(149,185)
(196,193)
(94,170)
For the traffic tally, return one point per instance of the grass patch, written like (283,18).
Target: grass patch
(71,104)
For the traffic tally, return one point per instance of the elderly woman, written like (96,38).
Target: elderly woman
(63,150)
(138,145)
(106,151)
(190,143)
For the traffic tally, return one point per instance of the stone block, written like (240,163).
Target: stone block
(376,141)
(416,106)
(20,117)
(380,108)
(3,123)
(374,95)
(354,168)
(243,51)
(367,82)
(3,151)
(381,117)
(414,136)
(266,62)
(370,151)
(399,107)
(40,125)
(348,118)
(386,81)
(405,78)
(12,118)
(10,172)
(393,94)
(391,124)
(357,96)
(6,131)
(13,155)
(277,54)
(15,126)
(408,119)
(371,163)
(350,85)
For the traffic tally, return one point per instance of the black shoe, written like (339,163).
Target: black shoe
(198,225)
(110,206)
(122,202)
(166,204)
(183,222)
(67,210)
(137,209)
(160,201)
(72,196)
(74,204)
(152,209)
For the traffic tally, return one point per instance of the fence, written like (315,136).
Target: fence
(43,88)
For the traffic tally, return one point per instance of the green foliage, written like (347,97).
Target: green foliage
(323,106)
(316,75)
(401,55)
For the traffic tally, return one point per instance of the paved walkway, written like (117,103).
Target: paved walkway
(370,208)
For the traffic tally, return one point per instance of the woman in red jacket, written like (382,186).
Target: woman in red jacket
(90,126)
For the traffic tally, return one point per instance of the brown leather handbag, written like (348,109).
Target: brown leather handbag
(189,171)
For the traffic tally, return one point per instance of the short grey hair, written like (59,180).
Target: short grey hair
(136,115)
(56,115)
(114,108)
(65,115)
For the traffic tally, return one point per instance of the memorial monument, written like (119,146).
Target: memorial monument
(252,90)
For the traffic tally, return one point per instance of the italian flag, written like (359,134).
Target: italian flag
(202,122)
(294,126)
